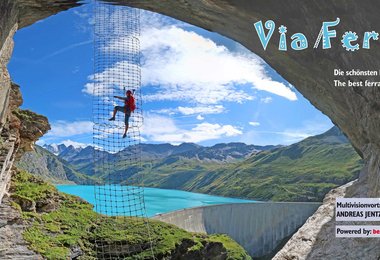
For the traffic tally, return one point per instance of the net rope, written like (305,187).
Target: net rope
(116,159)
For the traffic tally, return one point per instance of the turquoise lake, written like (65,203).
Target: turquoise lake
(157,200)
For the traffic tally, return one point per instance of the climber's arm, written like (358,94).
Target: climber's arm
(122,98)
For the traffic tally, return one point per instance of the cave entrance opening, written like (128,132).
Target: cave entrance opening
(208,99)
(212,88)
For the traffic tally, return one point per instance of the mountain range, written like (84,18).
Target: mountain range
(48,166)
(220,152)
(303,171)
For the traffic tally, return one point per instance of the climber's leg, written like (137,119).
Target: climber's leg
(117,108)
(126,120)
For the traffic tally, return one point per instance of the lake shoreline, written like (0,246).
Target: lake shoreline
(157,201)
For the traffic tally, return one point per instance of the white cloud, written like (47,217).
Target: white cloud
(66,129)
(186,64)
(200,117)
(166,111)
(254,123)
(112,80)
(308,128)
(189,67)
(41,142)
(285,137)
(75,70)
(82,14)
(266,100)
(155,125)
(163,129)
(75,144)
(288,135)
(201,109)
(210,109)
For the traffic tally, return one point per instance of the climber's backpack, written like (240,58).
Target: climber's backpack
(131,103)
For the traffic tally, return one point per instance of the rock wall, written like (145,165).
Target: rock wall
(6,49)
(18,134)
(12,244)
(19,129)
(316,238)
(258,227)
(9,142)
(6,161)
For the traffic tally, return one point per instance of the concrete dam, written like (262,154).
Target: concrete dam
(258,227)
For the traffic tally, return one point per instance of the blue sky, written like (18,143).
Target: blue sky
(197,86)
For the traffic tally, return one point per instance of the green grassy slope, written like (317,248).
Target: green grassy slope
(304,171)
(59,224)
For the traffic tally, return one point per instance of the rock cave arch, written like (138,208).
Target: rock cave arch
(355,110)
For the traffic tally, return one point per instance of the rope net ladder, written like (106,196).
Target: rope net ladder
(116,159)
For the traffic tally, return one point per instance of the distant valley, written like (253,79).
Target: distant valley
(303,171)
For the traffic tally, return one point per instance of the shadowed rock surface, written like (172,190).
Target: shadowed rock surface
(19,129)
(12,244)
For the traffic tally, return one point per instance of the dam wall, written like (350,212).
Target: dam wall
(258,227)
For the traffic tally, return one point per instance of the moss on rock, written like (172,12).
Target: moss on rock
(31,127)
(73,229)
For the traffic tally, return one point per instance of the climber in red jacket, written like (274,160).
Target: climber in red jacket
(127,109)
